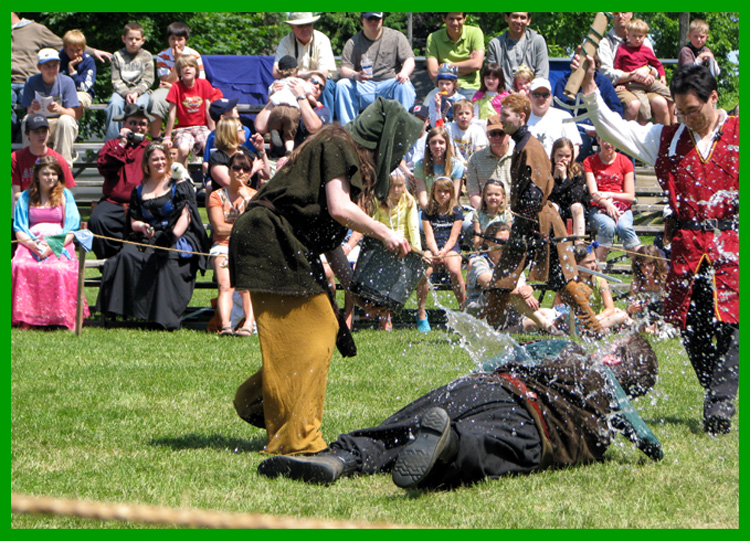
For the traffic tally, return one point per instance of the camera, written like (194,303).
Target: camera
(135,138)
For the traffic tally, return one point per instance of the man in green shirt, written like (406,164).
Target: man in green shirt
(460,46)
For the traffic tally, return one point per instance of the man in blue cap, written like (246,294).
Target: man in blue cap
(377,61)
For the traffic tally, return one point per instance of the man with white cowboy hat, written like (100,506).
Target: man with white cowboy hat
(311,48)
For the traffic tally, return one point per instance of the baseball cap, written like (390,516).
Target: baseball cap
(494,123)
(447,72)
(221,106)
(420,111)
(47,54)
(538,83)
(34,122)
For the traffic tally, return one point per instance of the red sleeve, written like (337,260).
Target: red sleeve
(626,164)
(15,174)
(653,61)
(172,95)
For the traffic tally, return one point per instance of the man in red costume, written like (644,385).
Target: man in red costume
(697,163)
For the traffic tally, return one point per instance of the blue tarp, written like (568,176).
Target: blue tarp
(241,76)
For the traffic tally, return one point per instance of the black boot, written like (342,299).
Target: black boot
(325,467)
(435,442)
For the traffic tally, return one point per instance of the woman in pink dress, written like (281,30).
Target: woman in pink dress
(44,270)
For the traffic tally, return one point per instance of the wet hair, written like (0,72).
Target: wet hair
(639,367)
(56,193)
(428,163)
(150,149)
(332,132)
(226,133)
(497,71)
(493,182)
(493,230)
(580,251)
(519,104)
(645,253)
(179,29)
(442,183)
(574,168)
(693,77)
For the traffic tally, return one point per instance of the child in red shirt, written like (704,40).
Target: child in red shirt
(189,100)
(632,55)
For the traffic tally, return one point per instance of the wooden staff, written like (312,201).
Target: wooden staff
(590,44)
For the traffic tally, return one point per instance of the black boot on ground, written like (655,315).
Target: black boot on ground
(323,468)
(435,442)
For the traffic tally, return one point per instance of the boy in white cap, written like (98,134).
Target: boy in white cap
(53,95)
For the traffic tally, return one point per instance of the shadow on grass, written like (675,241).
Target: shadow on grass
(212,441)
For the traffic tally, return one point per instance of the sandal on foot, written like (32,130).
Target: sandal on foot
(226,331)
(244,331)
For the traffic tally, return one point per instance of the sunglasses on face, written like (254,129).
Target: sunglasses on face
(496,134)
(316,83)
(242,168)
(544,95)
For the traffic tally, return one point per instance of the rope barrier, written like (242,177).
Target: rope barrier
(196,518)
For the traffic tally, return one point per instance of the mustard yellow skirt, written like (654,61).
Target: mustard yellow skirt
(286,396)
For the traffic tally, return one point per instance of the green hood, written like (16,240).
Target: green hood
(388,129)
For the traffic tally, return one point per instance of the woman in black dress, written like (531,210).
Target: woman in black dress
(143,280)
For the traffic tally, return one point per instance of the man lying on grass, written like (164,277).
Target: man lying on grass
(546,404)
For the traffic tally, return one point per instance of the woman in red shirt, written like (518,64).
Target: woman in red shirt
(610,179)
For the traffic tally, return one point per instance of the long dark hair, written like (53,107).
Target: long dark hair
(56,193)
(366,157)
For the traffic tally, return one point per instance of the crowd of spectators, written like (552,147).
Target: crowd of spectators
(166,98)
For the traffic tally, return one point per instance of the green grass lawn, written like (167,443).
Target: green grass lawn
(146,417)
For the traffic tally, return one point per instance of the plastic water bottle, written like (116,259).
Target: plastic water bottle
(366,64)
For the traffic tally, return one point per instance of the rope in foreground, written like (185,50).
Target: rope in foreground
(196,518)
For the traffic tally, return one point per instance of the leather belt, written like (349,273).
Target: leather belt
(709,225)
(529,396)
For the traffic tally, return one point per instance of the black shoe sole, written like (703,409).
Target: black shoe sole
(418,458)
(298,468)
(717,426)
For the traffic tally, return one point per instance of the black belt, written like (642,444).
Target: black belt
(709,225)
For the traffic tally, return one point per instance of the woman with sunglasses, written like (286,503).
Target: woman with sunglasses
(308,90)
(274,252)
(224,206)
(230,136)
(153,279)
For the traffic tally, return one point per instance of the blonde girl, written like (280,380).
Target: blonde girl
(442,223)
(494,208)
(399,211)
